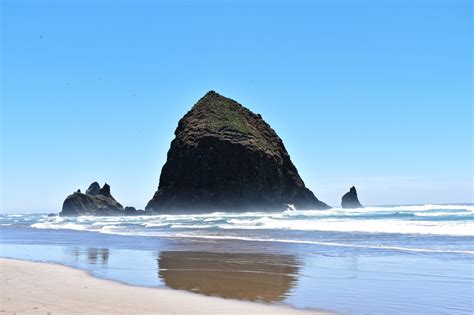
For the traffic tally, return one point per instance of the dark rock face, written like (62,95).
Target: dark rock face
(350,200)
(226,158)
(96,201)
(133,211)
(94,189)
(105,191)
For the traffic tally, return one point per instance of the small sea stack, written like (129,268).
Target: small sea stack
(226,158)
(96,201)
(350,200)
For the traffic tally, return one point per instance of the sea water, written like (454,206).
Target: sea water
(396,259)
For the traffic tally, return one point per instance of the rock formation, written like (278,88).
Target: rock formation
(133,211)
(350,200)
(226,158)
(96,201)
(94,189)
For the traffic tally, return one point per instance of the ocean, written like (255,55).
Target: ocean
(391,259)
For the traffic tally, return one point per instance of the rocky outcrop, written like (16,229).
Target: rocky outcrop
(350,200)
(94,189)
(226,158)
(133,211)
(96,201)
(105,191)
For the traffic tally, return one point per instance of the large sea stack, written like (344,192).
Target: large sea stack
(96,201)
(350,199)
(226,158)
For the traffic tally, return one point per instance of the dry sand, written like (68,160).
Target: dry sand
(40,288)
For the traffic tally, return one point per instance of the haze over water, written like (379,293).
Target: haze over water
(397,259)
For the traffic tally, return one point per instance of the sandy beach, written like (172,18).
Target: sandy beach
(41,288)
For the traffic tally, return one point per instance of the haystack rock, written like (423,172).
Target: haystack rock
(226,158)
(350,200)
(96,201)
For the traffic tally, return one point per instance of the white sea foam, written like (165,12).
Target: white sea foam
(425,220)
(55,226)
(449,220)
(184,226)
(150,225)
(106,228)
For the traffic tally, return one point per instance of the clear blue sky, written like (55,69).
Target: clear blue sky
(376,94)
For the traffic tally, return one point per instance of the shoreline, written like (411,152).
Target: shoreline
(38,288)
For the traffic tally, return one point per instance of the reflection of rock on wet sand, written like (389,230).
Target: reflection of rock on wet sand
(241,276)
(93,255)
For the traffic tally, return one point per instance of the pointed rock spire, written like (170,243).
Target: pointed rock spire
(105,191)
(350,199)
(94,189)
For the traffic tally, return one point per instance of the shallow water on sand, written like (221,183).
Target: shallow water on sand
(347,267)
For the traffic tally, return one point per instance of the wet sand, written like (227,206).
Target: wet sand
(253,277)
(40,288)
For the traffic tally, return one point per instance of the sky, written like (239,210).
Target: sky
(376,94)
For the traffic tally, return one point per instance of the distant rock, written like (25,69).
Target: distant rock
(130,209)
(105,191)
(96,201)
(350,200)
(93,190)
(226,158)
(133,211)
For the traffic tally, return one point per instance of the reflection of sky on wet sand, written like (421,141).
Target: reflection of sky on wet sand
(266,277)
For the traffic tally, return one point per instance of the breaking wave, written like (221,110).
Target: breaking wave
(364,228)
(454,220)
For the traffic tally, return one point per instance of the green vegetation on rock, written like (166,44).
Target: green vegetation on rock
(225,116)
